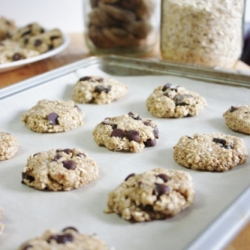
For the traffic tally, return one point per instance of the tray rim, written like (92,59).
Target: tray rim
(225,227)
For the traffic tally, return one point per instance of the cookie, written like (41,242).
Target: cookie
(59,169)
(238,118)
(8,146)
(51,116)
(153,195)
(129,133)
(171,101)
(7,27)
(210,152)
(1,225)
(99,90)
(69,238)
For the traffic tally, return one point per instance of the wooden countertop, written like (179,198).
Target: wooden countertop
(77,50)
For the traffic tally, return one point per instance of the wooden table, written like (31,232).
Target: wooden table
(77,50)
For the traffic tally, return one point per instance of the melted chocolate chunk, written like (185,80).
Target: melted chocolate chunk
(118,133)
(156,132)
(82,155)
(57,157)
(223,143)
(27,177)
(150,143)
(161,189)
(53,118)
(133,135)
(61,239)
(26,33)
(147,123)
(232,109)
(164,177)
(37,42)
(148,208)
(66,150)
(27,247)
(101,88)
(169,86)
(130,175)
(134,116)
(71,228)
(69,164)
(17,57)
(180,99)
(85,78)
(54,37)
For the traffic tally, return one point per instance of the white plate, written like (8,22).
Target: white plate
(17,64)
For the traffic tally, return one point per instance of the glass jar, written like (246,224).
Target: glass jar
(202,32)
(125,27)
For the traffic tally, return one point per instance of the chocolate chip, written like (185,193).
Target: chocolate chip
(161,189)
(27,177)
(53,118)
(26,33)
(170,86)
(134,116)
(223,143)
(102,88)
(82,155)
(61,239)
(156,132)
(70,228)
(130,175)
(100,79)
(17,57)
(147,123)
(164,177)
(27,247)
(133,135)
(180,99)
(69,164)
(37,42)
(118,133)
(150,143)
(57,157)
(85,78)
(114,126)
(77,108)
(54,37)
(148,208)
(232,109)
(67,151)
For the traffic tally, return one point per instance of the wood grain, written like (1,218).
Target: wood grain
(77,50)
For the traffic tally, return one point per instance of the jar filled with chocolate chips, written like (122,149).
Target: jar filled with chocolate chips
(125,27)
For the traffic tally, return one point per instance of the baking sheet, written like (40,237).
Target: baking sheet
(222,203)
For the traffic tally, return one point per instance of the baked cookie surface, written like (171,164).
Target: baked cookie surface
(238,118)
(171,101)
(8,146)
(129,133)
(59,169)
(68,239)
(210,152)
(7,27)
(99,90)
(153,195)
(51,116)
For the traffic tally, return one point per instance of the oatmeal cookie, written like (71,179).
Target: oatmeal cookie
(68,239)
(99,90)
(210,152)
(129,133)
(8,146)
(51,116)
(238,118)
(59,169)
(171,101)
(153,195)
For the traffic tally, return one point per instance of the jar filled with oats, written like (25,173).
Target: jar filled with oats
(125,27)
(202,32)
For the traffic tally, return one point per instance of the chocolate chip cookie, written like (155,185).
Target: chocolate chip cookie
(59,169)
(238,118)
(153,195)
(51,116)
(129,133)
(69,238)
(170,101)
(7,27)
(8,146)
(210,152)
(99,90)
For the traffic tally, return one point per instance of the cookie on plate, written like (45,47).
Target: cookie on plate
(238,118)
(59,169)
(171,101)
(69,238)
(99,90)
(129,133)
(153,195)
(1,225)
(51,116)
(8,146)
(210,152)
(7,27)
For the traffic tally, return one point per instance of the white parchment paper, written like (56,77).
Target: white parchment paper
(28,212)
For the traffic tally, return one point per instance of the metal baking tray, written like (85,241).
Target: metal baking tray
(222,203)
